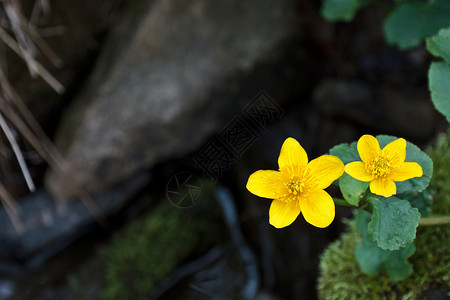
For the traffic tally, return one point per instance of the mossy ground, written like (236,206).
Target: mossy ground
(440,182)
(341,277)
(148,250)
(145,252)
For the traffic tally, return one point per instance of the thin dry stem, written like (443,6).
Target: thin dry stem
(54,162)
(11,94)
(18,153)
(26,48)
(28,31)
(40,6)
(9,200)
(24,45)
(46,50)
(11,208)
(36,66)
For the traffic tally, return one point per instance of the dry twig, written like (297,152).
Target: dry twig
(32,64)
(26,43)
(11,208)
(54,161)
(16,149)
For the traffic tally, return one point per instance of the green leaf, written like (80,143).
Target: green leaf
(352,189)
(420,200)
(439,45)
(340,10)
(396,264)
(372,259)
(369,256)
(413,153)
(346,152)
(394,222)
(410,23)
(439,85)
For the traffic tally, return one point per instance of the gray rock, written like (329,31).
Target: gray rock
(6,289)
(169,77)
(50,226)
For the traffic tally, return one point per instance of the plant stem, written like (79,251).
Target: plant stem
(433,221)
(341,202)
(364,199)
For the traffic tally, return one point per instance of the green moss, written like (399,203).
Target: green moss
(146,251)
(440,182)
(341,278)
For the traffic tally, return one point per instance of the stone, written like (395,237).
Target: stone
(170,75)
(50,226)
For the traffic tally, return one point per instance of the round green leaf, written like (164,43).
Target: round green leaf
(439,85)
(420,200)
(340,10)
(346,152)
(396,265)
(372,259)
(368,255)
(352,189)
(393,223)
(439,45)
(410,23)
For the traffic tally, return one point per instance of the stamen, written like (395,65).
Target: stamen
(295,186)
(293,177)
(380,167)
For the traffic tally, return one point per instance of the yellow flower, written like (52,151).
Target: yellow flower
(298,186)
(382,167)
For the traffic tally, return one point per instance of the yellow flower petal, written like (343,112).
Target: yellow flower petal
(282,214)
(406,171)
(292,154)
(357,170)
(368,148)
(325,169)
(395,151)
(265,183)
(318,208)
(383,187)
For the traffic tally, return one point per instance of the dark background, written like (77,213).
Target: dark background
(149,85)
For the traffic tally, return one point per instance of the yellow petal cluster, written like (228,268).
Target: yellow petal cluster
(382,167)
(298,186)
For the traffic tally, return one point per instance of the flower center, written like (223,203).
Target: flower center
(379,167)
(295,185)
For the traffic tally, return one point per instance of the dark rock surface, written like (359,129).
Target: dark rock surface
(168,78)
(380,107)
(50,226)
